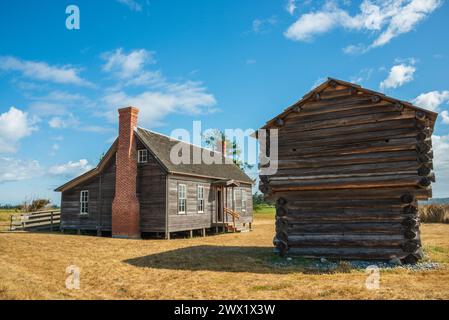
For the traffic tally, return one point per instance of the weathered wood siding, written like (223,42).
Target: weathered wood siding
(99,216)
(351,169)
(247,214)
(151,192)
(191,219)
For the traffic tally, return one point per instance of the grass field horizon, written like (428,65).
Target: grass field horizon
(226,266)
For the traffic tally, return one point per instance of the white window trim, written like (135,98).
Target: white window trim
(142,156)
(185,198)
(82,210)
(200,199)
(243,200)
(234,199)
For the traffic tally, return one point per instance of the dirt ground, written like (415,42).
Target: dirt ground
(227,266)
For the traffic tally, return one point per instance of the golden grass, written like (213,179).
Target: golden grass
(5,216)
(229,266)
(434,213)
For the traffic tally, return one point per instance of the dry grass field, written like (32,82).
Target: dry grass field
(228,266)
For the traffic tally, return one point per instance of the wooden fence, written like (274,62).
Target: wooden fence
(41,220)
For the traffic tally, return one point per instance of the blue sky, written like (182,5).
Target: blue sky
(229,64)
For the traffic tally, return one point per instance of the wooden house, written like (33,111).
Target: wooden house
(352,164)
(136,189)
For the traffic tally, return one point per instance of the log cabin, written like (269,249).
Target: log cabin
(137,189)
(352,164)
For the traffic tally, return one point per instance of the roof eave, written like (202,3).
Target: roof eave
(322,86)
(91,173)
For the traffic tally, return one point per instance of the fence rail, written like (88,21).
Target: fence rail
(48,220)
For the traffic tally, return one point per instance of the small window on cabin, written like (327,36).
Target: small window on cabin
(200,199)
(142,156)
(243,200)
(182,200)
(84,202)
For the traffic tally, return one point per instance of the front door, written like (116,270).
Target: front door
(219,205)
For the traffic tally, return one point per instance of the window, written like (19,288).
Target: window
(182,199)
(84,202)
(200,199)
(243,201)
(142,156)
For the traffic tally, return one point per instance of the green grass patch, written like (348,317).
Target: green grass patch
(436,254)
(264,211)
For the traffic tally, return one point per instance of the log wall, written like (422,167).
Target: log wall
(352,167)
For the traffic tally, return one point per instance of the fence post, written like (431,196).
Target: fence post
(10,223)
(51,221)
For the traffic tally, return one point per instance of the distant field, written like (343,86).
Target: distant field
(5,216)
(226,266)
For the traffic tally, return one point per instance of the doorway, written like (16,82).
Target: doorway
(219,205)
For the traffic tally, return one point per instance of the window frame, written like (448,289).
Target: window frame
(243,200)
(142,156)
(182,186)
(200,200)
(84,202)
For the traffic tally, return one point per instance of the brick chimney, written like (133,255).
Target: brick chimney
(125,207)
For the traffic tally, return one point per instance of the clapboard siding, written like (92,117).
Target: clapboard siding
(191,219)
(352,165)
(100,212)
(151,192)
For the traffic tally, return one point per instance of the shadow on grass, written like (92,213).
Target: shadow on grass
(260,260)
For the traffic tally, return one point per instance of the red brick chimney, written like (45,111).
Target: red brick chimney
(125,207)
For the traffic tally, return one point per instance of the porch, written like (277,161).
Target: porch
(227,218)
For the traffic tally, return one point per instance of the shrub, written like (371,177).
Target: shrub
(434,213)
(34,205)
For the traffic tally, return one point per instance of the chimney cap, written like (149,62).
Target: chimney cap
(129,109)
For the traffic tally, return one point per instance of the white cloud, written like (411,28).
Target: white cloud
(387,19)
(95,129)
(291,6)
(431,100)
(363,75)
(398,76)
(63,122)
(189,97)
(14,125)
(445,117)
(133,5)
(160,97)
(128,65)
(44,109)
(261,26)
(406,17)
(71,168)
(43,71)
(15,169)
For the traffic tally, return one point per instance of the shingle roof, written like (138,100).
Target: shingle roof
(161,146)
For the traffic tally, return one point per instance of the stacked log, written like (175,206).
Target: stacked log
(352,166)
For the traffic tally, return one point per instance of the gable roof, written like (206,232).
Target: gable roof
(160,146)
(332,81)
(91,173)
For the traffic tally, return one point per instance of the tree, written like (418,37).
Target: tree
(214,140)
